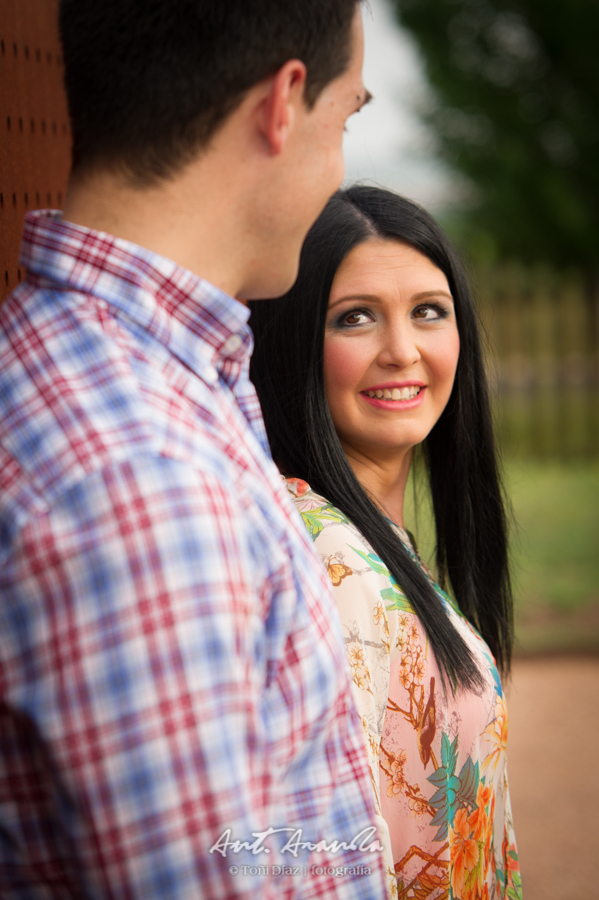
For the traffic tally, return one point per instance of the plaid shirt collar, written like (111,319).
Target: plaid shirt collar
(153,296)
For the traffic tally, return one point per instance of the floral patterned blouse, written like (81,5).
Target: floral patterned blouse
(438,759)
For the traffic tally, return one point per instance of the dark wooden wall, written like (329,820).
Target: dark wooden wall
(34,129)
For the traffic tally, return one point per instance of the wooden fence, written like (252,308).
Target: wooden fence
(543,359)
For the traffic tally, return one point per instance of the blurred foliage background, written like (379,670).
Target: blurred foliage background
(514,109)
(515,85)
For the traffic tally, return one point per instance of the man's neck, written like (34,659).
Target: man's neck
(185,219)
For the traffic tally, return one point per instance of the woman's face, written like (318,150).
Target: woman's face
(391,349)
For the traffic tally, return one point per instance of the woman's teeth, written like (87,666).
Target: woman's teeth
(407,393)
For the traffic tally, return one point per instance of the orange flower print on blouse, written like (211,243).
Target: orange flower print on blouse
(479,820)
(496,734)
(465,852)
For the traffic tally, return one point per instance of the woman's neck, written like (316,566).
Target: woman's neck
(384,480)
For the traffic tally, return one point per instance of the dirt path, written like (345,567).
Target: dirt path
(553,759)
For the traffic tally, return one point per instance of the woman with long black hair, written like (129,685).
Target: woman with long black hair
(373,353)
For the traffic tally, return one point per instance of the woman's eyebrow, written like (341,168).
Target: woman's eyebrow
(368,298)
(425,295)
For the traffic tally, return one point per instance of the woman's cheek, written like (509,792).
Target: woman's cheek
(344,364)
(443,357)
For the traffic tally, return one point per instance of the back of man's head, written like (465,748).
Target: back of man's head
(150,81)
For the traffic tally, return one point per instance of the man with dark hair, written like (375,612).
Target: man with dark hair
(175,710)
(164,78)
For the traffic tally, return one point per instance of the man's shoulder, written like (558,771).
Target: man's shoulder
(79,393)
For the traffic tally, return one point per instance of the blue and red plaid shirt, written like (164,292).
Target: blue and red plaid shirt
(172,674)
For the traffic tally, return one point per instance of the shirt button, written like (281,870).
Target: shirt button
(232,344)
(210,375)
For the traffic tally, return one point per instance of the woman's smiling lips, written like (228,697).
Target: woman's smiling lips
(395,395)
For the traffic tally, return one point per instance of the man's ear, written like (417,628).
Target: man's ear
(278,109)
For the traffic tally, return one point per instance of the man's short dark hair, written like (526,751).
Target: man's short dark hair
(150,81)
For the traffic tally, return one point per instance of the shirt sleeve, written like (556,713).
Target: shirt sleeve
(140,601)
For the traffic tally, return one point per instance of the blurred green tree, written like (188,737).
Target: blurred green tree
(515,108)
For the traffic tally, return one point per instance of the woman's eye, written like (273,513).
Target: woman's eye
(355,317)
(429,312)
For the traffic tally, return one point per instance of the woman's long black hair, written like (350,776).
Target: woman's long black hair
(460,455)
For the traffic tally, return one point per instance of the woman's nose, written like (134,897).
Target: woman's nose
(399,348)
